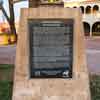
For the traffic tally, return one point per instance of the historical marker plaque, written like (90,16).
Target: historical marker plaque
(51,48)
(50,56)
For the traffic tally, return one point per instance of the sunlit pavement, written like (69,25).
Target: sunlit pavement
(7,54)
(93,54)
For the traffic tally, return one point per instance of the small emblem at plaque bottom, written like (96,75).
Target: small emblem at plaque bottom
(66,74)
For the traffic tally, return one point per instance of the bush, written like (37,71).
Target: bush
(5,90)
(95,87)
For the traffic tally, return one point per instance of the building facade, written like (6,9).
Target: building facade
(91,15)
(90,12)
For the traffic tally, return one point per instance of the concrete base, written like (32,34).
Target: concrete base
(76,88)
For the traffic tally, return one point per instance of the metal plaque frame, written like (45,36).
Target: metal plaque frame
(55,72)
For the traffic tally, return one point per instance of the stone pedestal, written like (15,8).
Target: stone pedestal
(75,88)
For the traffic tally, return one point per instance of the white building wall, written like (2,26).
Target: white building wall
(89,18)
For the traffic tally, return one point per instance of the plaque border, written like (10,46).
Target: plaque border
(30,24)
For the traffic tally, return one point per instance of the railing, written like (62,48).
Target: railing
(96,33)
(51,1)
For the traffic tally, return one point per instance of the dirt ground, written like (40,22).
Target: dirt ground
(7,54)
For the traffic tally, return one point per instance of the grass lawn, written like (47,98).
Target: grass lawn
(6,72)
(95,87)
(6,83)
(5,90)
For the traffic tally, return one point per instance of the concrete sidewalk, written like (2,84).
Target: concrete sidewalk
(93,54)
(7,54)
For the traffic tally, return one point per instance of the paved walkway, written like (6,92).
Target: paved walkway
(93,54)
(7,54)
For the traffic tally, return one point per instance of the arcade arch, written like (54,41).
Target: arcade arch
(82,9)
(95,8)
(86,28)
(96,29)
(88,9)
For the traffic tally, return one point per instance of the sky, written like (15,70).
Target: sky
(17,7)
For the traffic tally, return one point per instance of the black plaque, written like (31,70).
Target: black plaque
(51,48)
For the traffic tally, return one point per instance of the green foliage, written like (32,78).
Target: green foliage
(6,66)
(5,90)
(6,79)
(95,87)
(6,72)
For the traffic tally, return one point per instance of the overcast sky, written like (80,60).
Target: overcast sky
(17,7)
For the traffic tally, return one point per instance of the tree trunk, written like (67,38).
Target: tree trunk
(12,19)
(12,27)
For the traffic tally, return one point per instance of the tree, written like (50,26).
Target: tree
(10,19)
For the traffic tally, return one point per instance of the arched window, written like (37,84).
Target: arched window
(96,29)
(95,8)
(74,7)
(86,29)
(88,9)
(82,9)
